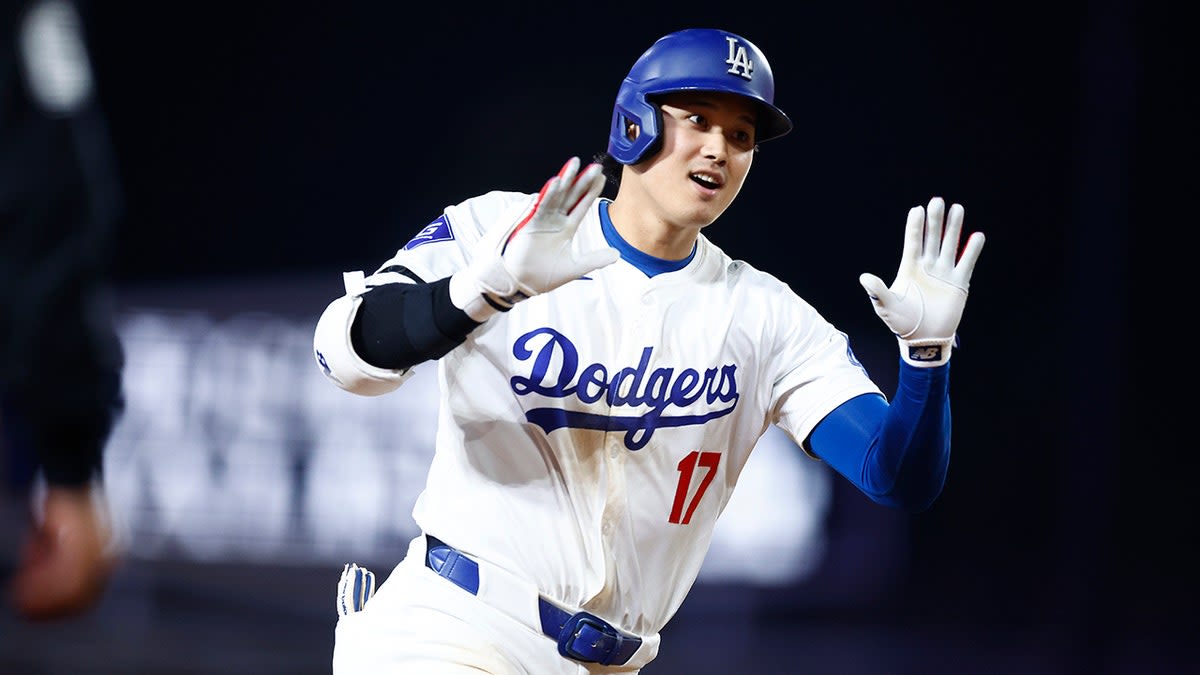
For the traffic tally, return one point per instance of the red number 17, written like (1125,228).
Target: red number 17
(687,466)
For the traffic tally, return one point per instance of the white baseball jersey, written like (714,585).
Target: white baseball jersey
(590,437)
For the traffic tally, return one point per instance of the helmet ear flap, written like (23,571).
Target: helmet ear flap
(634,111)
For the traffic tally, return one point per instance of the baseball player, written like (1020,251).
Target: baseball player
(605,371)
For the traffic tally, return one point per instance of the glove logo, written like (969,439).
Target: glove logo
(933,353)
(738,60)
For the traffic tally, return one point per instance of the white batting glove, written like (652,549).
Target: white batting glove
(926,301)
(534,254)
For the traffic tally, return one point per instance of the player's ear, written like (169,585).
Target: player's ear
(632,130)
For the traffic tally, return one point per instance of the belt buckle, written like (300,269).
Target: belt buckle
(599,639)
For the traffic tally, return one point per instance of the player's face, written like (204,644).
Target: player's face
(707,148)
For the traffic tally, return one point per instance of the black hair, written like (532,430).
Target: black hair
(612,168)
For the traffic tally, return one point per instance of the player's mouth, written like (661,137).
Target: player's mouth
(706,180)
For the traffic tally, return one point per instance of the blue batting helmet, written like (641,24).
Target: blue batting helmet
(695,59)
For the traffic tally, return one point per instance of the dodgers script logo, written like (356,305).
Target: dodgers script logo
(629,387)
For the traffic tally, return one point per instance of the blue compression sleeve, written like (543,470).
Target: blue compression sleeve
(896,454)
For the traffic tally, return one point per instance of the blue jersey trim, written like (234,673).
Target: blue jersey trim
(645,262)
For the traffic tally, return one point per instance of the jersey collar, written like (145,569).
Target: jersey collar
(648,264)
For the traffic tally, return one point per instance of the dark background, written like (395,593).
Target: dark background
(297,140)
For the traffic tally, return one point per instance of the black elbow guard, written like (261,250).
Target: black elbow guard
(401,325)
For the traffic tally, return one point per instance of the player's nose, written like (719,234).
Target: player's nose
(716,146)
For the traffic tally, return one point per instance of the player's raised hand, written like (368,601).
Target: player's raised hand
(537,250)
(535,254)
(925,303)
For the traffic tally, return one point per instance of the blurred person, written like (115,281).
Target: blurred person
(605,371)
(60,356)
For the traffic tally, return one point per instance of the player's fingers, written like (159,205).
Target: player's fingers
(586,189)
(551,196)
(557,198)
(913,231)
(970,255)
(954,223)
(569,169)
(875,287)
(934,218)
(547,194)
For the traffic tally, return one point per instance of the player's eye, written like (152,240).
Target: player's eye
(699,120)
(742,138)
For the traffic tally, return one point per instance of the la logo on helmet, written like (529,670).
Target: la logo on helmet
(739,62)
